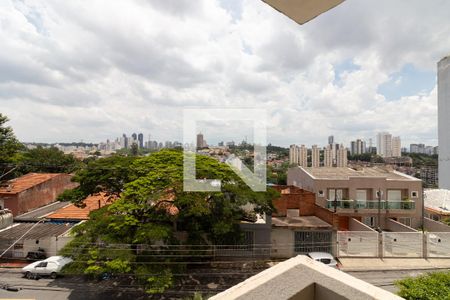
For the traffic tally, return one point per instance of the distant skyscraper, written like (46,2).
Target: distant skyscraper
(141,140)
(315,156)
(384,144)
(444,122)
(357,147)
(396,146)
(134,136)
(125,141)
(200,141)
(330,140)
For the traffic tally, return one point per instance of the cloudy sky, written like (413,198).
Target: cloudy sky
(92,70)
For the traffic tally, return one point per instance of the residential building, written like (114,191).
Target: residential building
(370,195)
(444,121)
(341,156)
(384,144)
(296,228)
(429,176)
(327,157)
(49,237)
(315,156)
(72,213)
(357,147)
(396,146)
(298,155)
(33,190)
(417,148)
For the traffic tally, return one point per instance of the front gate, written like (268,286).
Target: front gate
(312,241)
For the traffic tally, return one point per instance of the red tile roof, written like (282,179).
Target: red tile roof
(26,182)
(72,212)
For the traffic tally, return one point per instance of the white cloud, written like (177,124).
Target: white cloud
(72,70)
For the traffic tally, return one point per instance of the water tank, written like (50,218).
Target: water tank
(6,218)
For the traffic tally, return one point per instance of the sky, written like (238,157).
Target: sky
(93,70)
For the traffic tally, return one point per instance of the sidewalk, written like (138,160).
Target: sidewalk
(379,264)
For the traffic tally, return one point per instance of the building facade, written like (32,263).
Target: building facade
(370,195)
(444,122)
(33,190)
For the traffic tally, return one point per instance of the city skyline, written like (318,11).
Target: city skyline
(370,82)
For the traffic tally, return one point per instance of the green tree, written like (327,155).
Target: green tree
(48,160)
(9,147)
(431,286)
(151,204)
(108,175)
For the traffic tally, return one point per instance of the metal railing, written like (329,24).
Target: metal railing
(370,204)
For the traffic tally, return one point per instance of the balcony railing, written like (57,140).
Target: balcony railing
(371,204)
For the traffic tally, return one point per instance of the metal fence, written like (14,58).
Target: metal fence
(402,244)
(357,244)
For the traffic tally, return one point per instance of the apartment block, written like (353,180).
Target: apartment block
(370,195)
(298,155)
(341,157)
(315,156)
(327,156)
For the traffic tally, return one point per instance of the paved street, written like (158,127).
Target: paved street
(76,288)
(73,288)
(386,279)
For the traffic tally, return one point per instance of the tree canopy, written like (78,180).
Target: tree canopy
(152,208)
(431,286)
(48,160)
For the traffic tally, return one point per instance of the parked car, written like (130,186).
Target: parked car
(47,267)
(325,258)
(36,255)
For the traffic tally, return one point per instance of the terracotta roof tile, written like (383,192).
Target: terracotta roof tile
(72,212)
(26,182)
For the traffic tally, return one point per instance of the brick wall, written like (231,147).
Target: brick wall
(294,198)
(39,195)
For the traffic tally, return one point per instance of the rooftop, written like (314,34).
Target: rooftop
(41,212)
(26,182)
(438,200)
(40,231)
(306,222)
(303,278)
(72,212)
(345,173)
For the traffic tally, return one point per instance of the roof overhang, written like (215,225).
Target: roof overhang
(302,11)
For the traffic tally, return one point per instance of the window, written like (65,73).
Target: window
(394,195)
(370,221)
(335,194)
(42,265)
(361,195)
(405,221)
(414,194)
(326,261)
(321,194)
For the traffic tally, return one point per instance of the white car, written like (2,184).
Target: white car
(325,258)
(47,267)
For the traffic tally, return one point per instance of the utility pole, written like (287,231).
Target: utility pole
(379,209)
